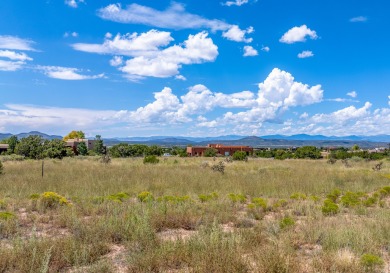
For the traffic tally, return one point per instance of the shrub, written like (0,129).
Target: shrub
(6,215)
(52,200)
(210,152)
(370,261)
(220,167)
(34,196)
(334,195)
(237,198)
(207,197)
(351,199)
(1,168)
(370,201)
(314,198)
(118,197)
(260,202)
(3,204)
(145,196)
(298,196)
(239,155)
(151,159)
(329,207)
(280,203)
(286,222)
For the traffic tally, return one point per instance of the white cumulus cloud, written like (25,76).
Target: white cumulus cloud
(150,59)
(174,17)
(11,65)
(71,34)
(250,51)
(66,73)
(298,34)
(265,48)
(305,54)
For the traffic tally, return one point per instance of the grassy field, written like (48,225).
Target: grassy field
(181,216)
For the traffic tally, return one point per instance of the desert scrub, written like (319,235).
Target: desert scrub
(6,215)
(151,159)
(260,203)
(371,262)
(329,207)
(50,200)
(281,203)
(208,197)
(3,204)
(118,197)
(352,199)
(334,195)
(1,168)
(298,196)
(286,222)
(145,196)
(237,198)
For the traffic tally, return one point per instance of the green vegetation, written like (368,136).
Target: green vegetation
(151,159)
(126,216)
(210,152)
(240,156)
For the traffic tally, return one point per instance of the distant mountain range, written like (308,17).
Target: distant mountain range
(22,135)
(263,141)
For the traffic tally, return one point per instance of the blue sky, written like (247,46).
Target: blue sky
(195,68)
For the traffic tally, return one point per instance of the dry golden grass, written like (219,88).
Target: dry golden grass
(105,228)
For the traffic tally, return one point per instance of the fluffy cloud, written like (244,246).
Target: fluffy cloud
(250,51)
(66,73)
(175,17)
(150,60)
(389,99)
(352,94)
(17,60)
(238,35)
(265,49)
(15,43)
(11,65)
(305,54)
(12,55)
(358,19)
(298,34)
(282,91)
(133,44)
(344,115)
(73,3)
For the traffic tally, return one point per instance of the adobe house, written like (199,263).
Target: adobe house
(72,143)
(221,150)
(3,148)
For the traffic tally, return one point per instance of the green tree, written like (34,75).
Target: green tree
(74,134)
(31,147)
(355,148)
(155,150)
(239,155)
(55,149)
(99,148)
(82,148)
(12,142)
(311,152)
(210,152)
